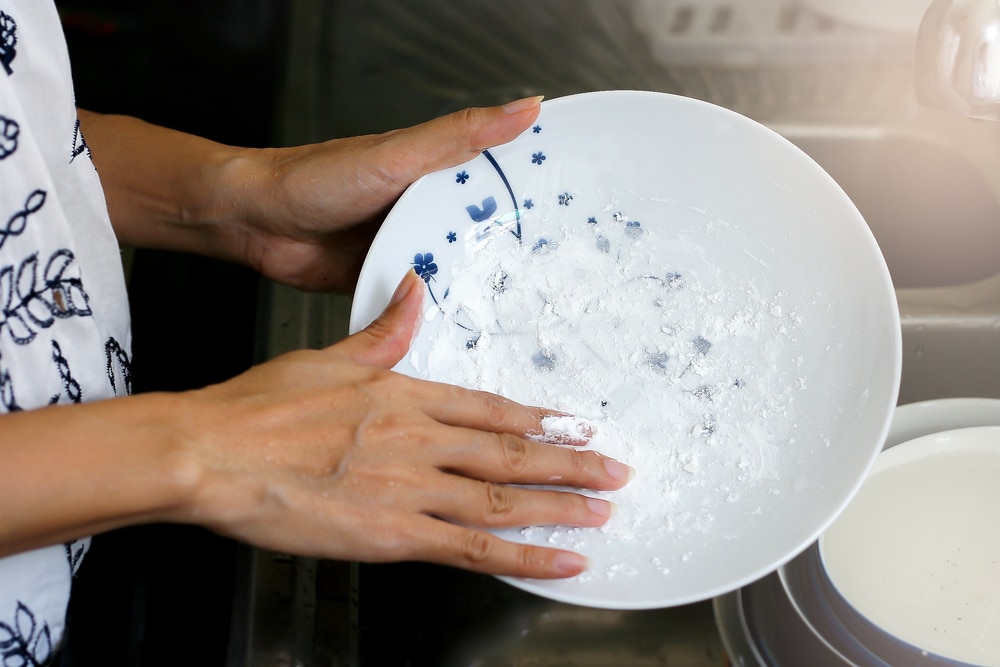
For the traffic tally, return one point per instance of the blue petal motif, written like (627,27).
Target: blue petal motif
(452,237)
(537,158)
(673,280)
(658,361)
(542,246)
(424,266)
(461,177)
(478,214)
(702,344)
(544,360)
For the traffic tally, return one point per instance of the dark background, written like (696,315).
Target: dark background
(163,595)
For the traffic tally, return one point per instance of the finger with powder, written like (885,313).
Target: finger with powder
(560,428)
(482,410)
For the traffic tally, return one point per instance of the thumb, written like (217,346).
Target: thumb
(384,342)
(454,138)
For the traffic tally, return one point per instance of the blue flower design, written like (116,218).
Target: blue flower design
(537,158)
(452,237)
(544,360)
(591,220)
(424,266)
(536,129)
(658,361)
(565,198)
(702,344)
(528,204)
(461,177)
(483,213)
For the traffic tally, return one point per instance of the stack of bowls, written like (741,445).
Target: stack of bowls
(909,574)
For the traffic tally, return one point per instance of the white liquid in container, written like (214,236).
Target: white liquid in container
(918,549)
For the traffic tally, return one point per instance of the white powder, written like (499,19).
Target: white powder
(567,429)
(669,360)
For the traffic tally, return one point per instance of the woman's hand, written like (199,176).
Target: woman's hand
(323,203)
(303,215)
(330,454)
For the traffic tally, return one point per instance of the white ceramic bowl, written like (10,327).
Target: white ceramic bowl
(917,552)
(694,285)
(834,629)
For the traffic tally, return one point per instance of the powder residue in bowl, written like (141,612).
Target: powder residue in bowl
(668,358)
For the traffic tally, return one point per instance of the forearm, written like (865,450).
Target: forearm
(301,215)
(170,190)
(76,470)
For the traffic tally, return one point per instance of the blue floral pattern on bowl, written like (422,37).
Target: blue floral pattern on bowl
(485,217)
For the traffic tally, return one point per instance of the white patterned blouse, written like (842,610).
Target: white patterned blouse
(64,321)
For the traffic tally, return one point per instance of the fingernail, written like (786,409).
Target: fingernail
(568,563)
(601,508)
(523,104)
(403,289)
(618,470)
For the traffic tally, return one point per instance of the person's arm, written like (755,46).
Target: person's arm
(75,470)
(323,453)
(302,215)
